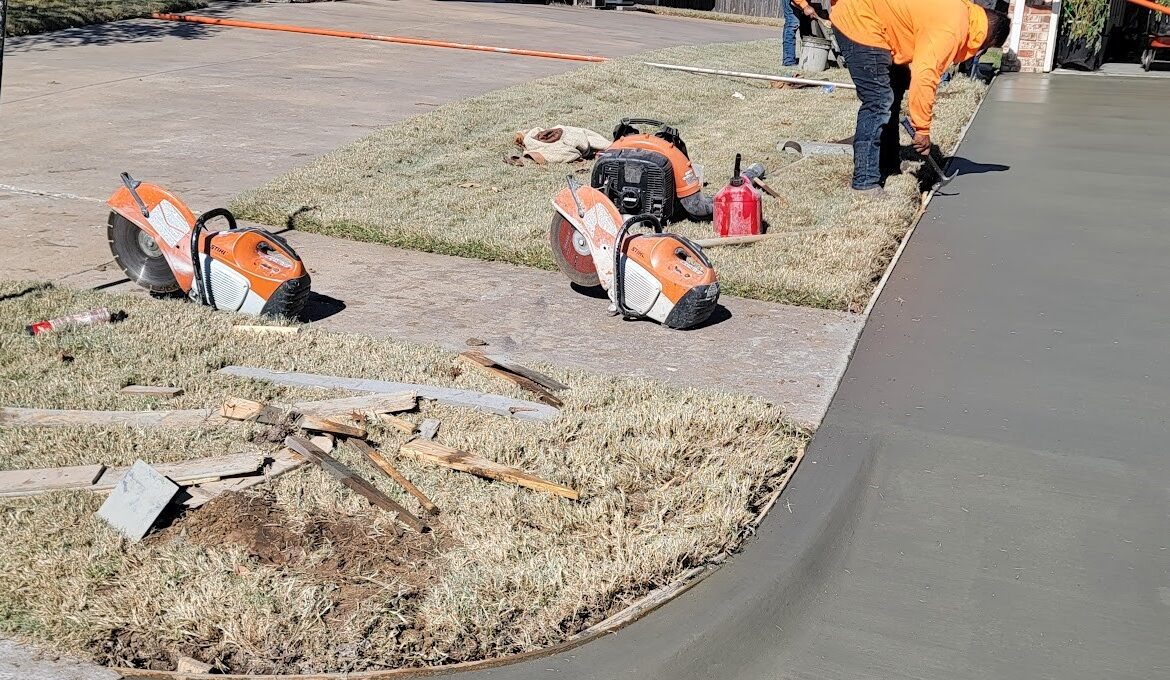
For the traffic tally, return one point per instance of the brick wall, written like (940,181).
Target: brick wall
(1038,15)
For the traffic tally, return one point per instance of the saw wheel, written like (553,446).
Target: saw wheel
(571,251)
(139,256)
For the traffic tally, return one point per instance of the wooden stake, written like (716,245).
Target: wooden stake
(351,480)
(152,391)
(392,472)
(322,425)
(521,381)
(441,454)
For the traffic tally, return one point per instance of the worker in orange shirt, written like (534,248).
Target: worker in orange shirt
(891,46)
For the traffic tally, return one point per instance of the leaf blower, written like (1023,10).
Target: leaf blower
(647,273)
(163,247)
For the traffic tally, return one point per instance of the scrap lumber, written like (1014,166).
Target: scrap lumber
(283,461)
(481,361)
(41,417)
(324,441)
(265,330)
(375,403)
(392,472)
(192,666)
(32,482)
(429,428)
(491,403)
(441,454)
(19,483)
(152,391)
(351,480)
(235,408)
(733,240)
(397,423)
(315,424)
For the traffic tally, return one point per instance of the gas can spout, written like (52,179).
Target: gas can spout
(736,175)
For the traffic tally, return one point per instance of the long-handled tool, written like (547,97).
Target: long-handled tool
(944,179)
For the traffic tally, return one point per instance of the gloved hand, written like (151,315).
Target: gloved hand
(809,12)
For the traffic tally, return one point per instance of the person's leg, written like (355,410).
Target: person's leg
(891,153)
(870,69)
(791,23)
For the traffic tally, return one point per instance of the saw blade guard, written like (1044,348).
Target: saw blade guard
(167,220)
(596,219)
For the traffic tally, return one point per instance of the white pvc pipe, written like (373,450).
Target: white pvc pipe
(752,76)
(1053,21)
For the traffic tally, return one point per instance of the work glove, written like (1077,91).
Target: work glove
(810,12)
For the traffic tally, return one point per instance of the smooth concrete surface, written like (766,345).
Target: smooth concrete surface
(987,496)
(23,662)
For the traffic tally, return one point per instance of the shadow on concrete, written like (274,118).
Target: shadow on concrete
(595,292)
(966,166)
(319,307)
(138,30)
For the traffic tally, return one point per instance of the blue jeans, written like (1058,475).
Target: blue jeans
(881,84)
(791,25)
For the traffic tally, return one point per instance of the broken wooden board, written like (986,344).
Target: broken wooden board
(139,497)
(184,472)
(392,472)
(40,417)
(491,403)
(152,391)
(400,424)
(314,424)
(375,403)
(235,408)
(482,362)
(282,461)
(324,441)
(546,381)
(351,480)
(16,483)
(441,454)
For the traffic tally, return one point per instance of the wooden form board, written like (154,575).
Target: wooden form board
(524,382)
(282,461)
(392,472)
(441,454)
(152,390)
(351,480)
(16,483)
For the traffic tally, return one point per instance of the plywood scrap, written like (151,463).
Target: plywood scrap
(491,403)
(152,391)
(34,482)
(441,454)
(392,472)
(524,382)
(429,428)
(351,480)
(282,461)
(315,424)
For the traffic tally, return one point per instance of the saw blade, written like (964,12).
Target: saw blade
(571,252)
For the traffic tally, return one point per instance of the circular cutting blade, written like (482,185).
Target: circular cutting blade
(571,251)
(139,256)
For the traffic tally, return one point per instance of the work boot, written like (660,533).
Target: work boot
(872,193)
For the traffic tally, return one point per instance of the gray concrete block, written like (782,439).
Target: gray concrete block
(136,502)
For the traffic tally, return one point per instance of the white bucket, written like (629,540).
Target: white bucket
(814,54)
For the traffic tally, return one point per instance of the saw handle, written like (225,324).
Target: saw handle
(619,249)
(132,187)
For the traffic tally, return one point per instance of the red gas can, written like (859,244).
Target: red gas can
(739,207)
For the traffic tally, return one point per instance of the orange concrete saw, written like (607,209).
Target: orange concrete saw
(163,247)
(647,273)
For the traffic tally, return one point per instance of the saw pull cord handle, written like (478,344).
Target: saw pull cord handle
(619,249)
(132,187)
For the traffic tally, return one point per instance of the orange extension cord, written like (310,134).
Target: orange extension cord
(235,23)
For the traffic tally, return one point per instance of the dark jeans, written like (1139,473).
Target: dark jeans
(881,84)
(791,25)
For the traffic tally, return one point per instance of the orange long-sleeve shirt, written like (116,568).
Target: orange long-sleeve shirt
(930,35)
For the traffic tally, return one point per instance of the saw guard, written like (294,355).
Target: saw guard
(169,224)
(599,225)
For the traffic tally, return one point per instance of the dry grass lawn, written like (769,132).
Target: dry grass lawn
(283,579)
(400,185)
(28,17)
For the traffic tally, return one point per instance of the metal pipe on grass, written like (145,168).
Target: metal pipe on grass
(751,76)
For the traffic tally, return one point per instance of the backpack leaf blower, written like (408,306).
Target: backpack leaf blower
(163,247)
(647,273)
